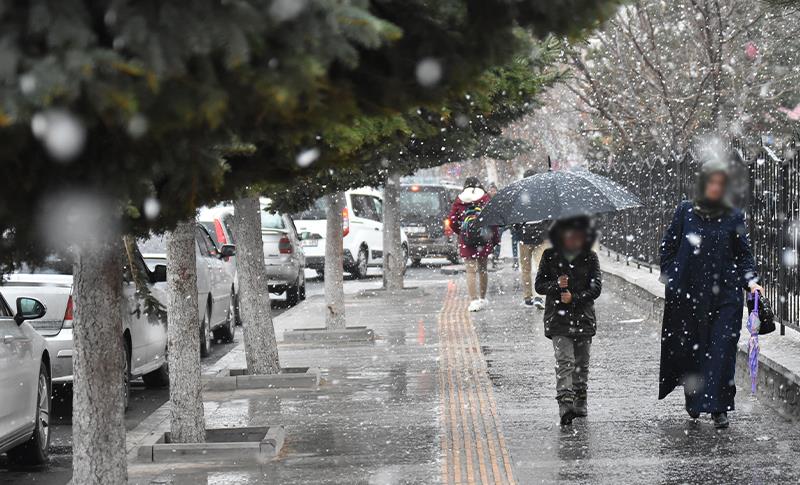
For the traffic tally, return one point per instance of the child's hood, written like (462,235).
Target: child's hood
(471,194)
(580,223)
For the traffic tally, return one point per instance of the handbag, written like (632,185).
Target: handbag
(765,314)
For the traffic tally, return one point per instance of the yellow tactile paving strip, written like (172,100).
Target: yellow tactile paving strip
(473,447)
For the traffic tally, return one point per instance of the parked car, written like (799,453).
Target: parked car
(215,290)
(283,254)
(218,221)
(25,383)
(145,337)
(362,219)
(424,210)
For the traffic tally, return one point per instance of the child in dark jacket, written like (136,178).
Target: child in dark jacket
(569,276)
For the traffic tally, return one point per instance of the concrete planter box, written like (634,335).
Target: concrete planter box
(322,335)
(228,445)
(288,378)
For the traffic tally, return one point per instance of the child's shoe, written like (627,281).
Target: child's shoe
(720,420)
(475,306)
(538,302)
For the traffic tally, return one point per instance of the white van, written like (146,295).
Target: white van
(362,221)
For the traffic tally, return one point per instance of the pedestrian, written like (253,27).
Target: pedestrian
(532,241)
(496,250)
(467,205)
(569,277)
(706,263)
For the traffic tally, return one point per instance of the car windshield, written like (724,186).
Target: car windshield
(420,201)
(271,220)
(155,244)
(314,213)
(51,265)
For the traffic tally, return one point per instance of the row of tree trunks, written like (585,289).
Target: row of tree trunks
(98,363)
(261,349)
(334,263)
(394,259)
(183,336)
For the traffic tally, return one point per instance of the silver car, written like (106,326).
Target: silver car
(283,254)
(144,336)
(215,292)
(25,383)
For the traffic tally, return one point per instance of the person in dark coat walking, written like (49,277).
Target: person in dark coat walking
(569,277)
(706,263)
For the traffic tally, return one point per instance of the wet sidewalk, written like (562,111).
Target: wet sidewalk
(444,396)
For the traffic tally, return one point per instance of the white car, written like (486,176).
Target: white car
(283,254)
(25,383)
(218,221)
(362,219)
(144,335)
(215,291)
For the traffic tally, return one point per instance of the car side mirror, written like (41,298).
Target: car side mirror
(29,309)
(160,273)
(227,250)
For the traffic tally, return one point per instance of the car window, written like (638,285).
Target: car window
(5,310)
(204,241)
(272,220)
(378,203)
(363,207)
(227,221)
(317,211)
(421,201)
(212,231)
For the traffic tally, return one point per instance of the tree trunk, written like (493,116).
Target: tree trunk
(187,423)
(394,260)
(261,349)
(98,410)
(334,264)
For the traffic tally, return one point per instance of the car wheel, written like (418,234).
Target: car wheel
(293,293)
(405,259)
(157,379)
(416,262)
(205,335)
(303,289)
(35,450)
(227,332)
(360,269)
(237,315)
(126,376)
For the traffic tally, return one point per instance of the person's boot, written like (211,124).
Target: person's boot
(528,301)
(566,411)
(581,405)
(720,420)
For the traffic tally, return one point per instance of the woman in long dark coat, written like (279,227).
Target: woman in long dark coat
(706,263)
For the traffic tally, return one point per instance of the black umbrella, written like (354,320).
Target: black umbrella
(556,195)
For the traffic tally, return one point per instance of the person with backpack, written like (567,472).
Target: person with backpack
(475,243)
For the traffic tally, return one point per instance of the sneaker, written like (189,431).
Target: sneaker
(475,306)
(538,302)
(528,301)
(720,420)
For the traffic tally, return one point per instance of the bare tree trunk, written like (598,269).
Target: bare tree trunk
(185,390)
(334,261)
(98,412)
(394,260)
(261,349)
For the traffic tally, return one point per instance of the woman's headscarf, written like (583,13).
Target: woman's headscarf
(711,209)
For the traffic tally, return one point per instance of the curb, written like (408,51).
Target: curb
(777,385)
(322,335)
(250,444)
(287,378)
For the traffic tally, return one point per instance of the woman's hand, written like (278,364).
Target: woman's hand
(756,287)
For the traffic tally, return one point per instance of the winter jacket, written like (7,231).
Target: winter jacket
(585,283)
(467,199)
(531,233)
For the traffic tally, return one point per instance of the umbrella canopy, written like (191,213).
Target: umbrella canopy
(556,195)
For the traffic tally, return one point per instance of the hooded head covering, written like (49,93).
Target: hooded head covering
(473,190)
(579,223)
(711,209)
